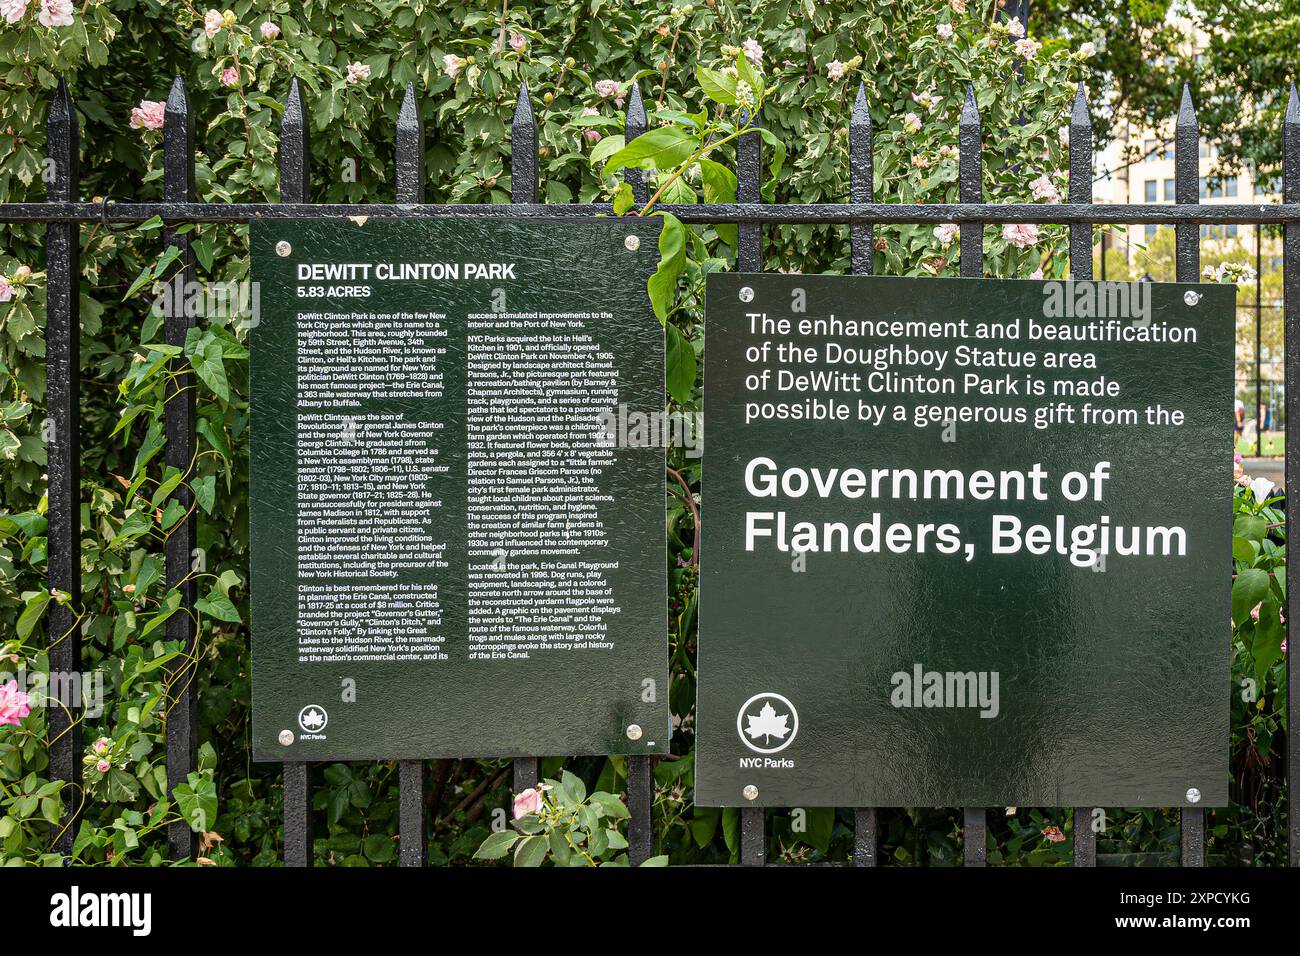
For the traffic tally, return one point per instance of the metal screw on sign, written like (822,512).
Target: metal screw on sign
(632,243)
(750,792)
(283,248)
(286,737)
(746,294)
(1191,298)
(1193,795)
(634,732)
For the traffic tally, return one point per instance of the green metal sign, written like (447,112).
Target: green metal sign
(968,543)
(452,553)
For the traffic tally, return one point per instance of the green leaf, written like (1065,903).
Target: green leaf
(656,861)
(662,286)
(679,365)
(1249,589)
(205,492)
(665,147)
(607,147)
(531,851)
(623,199)
(32,614)
(572,789)
(716,85)
(497,845)
(208,362)
(197,801)
(219,606)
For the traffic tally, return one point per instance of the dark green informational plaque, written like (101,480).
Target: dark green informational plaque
(452,554)
(968,543)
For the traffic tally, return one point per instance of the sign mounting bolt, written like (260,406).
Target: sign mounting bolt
(286,737)
(1193,795)
(746,294)
(283,248)
(750,792)
(1191,298)
(632,243)
(633,731)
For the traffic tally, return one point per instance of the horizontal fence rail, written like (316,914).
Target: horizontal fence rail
(794,214)
(64,212)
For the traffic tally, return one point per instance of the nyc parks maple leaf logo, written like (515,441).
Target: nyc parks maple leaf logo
(312,718)
(767,724)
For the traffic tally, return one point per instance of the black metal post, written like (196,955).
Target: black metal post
(523,189)
(1187,240)
(63,450)
(749,258)
(178,319)
(862,255)
(295,187)
(1291,318)
(412,835)
(1085,838)
(970,188)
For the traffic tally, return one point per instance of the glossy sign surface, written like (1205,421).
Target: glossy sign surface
(968,543)
(451,556)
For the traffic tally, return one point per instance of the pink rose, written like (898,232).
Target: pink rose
(100,746)
(1016,28)
(6,290)
(55,13)
(270,31)
(947,232)
(358,72)
(1042,188)
(103,766)
(834,70)
(530,801)
(14,704)
(1052,834)
(212,22)
(1087,50)
(1020,234)
(230,76)
(591,135)
(753,52)
(13,10)
(1026,49)
(452,64)
(911,123)
(148,115)
(518,43)
(608,89)
(944,30)
(1037,273)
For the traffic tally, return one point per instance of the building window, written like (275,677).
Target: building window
(1202,187)
(1232,232)
(1230,186)
(1149,149)
(1170,194)
(1151,232)
(1150,190)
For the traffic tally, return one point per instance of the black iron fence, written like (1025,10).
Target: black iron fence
(64,212)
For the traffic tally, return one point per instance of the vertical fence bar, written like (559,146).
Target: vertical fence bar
(640,769)
(749,258)
(971,190)
(1187,238)
(1085,838)
(412,835)
(523,188)
(62,403)
(1291,395)
(178,319)
(861,254)
(295,187)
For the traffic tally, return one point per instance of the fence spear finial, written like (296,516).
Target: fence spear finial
(523,149)
(635,122)
(1291,149)
(295,148)
(63,145)
(410,149)
(1079,115)
(1187,109)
